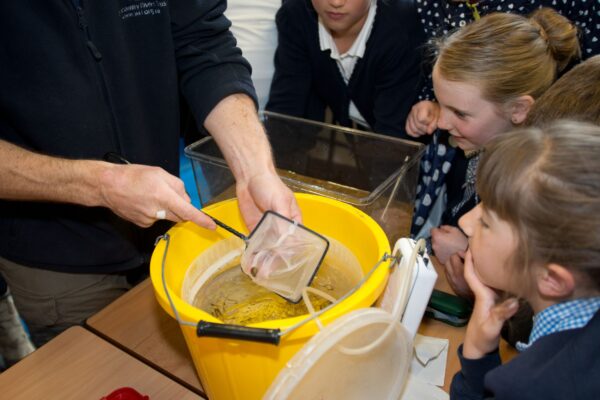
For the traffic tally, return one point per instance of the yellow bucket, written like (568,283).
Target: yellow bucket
(231,369)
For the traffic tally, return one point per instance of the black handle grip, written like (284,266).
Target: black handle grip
(229,228)
(238,332)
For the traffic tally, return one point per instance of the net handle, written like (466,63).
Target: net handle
(228,331)
(227,227)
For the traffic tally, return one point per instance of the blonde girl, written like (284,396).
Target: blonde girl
(486,77)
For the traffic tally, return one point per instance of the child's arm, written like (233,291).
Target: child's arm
(479,353)
(395,67)
(487,319)
(292,80)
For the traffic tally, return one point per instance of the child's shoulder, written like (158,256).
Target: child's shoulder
(296,9)
(296,13)
(560,365)
(399,15)
(398,8)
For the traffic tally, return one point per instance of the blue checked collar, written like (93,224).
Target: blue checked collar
(561,317)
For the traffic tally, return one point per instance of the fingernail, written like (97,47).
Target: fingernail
(211,227)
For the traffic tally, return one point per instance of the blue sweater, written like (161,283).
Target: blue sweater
(562,365)
(383,85)
(79,79)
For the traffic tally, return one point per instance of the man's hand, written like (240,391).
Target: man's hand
(235,126)
(422,119)
(266,192)
(134,192)
(137,192)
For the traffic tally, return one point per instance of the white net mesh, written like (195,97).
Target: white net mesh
(283,256)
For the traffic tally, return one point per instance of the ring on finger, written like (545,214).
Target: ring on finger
(161,214)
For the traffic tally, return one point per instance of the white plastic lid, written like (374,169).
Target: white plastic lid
(323,370)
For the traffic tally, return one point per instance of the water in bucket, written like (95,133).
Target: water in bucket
(216,284)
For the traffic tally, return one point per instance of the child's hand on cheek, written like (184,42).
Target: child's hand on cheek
(483,331)
(422,119)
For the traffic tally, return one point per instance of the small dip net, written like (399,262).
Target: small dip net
(216,284)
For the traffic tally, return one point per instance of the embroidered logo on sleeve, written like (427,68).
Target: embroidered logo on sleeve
(142,8)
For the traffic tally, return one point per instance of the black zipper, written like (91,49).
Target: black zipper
(97,56)
(83,25)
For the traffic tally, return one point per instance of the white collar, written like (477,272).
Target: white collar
(360,43)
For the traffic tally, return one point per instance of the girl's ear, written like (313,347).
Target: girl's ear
(519,108)
(556,282)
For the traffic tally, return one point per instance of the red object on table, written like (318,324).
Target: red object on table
(125,393)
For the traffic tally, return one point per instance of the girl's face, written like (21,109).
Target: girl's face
(342,16)
(492,242)
(470,119)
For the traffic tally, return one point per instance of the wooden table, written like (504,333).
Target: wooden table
(136,323)
(77,364)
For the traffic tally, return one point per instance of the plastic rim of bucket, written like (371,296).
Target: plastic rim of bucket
(373,287)
(321,369)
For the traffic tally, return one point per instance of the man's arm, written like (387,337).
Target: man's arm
(215,79)
(209,64)
(235,127)
(134,192)
(398,79)
(26,175)
(292,85)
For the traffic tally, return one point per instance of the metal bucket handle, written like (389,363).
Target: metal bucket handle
(240,332)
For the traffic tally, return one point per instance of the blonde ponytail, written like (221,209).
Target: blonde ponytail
(560,34)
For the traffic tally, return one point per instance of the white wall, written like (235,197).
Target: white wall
(254,28)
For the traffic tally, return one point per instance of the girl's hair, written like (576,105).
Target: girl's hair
(575,95)
(509,55)
(546,184)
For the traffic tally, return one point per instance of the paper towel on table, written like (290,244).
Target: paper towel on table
(416,389)
(429,359)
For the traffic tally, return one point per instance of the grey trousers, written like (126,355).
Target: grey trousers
(51,302)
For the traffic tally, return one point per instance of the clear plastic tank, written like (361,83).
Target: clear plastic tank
(375,173)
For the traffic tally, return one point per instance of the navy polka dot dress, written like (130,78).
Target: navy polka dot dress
(442,16)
